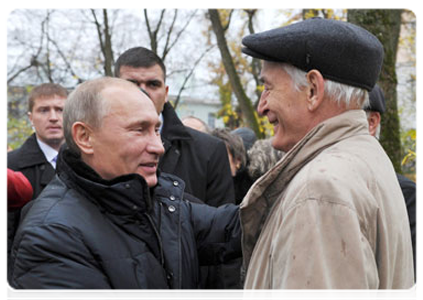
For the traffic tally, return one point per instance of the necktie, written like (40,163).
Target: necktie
(53,161)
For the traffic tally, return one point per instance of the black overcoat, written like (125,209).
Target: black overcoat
(199,159)
(30,160)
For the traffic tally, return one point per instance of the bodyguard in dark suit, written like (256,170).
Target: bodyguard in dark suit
(36,158)
(196,157)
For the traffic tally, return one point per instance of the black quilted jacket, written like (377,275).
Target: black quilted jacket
(86,232)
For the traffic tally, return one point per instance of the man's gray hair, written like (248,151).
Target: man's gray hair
(338,92)
(262,157)
(86,104)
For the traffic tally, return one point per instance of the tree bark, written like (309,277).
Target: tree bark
(105,39)
(385,25)
(255,63)
(245,104)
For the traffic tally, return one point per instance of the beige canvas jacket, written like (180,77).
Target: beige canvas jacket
(329,215)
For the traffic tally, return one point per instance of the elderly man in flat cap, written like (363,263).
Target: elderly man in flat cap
(330,214)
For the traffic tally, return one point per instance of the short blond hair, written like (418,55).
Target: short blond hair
(46,90)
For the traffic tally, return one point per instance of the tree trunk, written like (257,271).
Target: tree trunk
(108,52)
(385,24)
(245,104)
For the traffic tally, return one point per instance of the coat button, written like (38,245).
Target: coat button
(127,186)
(172,198)
(171,208)
(134,207)
(175,183)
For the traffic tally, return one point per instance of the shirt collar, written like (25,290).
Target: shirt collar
(49,152)
(161,122)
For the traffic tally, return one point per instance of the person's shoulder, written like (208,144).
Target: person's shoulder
(27,154)
(55,204)
(12,158)
(406,182)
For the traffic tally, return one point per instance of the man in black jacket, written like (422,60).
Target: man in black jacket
(36,158)
(107,219)
(197,158)
(374,113)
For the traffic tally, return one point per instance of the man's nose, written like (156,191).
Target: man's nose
(54,115)
(156,146)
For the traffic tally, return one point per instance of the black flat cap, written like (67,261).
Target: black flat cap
(341,51)
(247,135)
(377,100)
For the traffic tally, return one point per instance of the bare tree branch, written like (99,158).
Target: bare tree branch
(229,21)
(105,41)
(34,58)
(65,60)
(255,63)
(178,97)
(153,33)
(169,33)
(178,35)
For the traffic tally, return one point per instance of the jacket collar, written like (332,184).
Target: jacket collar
(123,195)
(173,129)
(261,197)
(31,153)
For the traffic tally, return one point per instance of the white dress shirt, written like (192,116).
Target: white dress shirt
(49,153)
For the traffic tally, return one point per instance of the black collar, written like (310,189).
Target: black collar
(31,153)
(123,195)
(173,129)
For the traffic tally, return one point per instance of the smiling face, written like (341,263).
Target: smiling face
(46,118)
(128,140)
(284,106)
(150,79)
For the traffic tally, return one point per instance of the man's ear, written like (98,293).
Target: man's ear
(167,93)
(30,117)
(82,136)
(374,121)
(315,89)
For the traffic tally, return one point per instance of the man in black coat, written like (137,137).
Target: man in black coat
(108,219)
(197,158)
(374,113)
(36,158)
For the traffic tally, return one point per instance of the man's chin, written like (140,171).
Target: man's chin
(54,141)
(151,182)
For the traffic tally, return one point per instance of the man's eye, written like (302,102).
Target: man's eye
(154,83)
(133,81)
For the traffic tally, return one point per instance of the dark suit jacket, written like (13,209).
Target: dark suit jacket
(30,160)
(408,188)
(199,159)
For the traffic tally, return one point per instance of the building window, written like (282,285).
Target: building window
(211,120)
